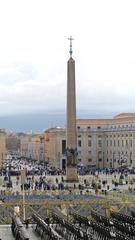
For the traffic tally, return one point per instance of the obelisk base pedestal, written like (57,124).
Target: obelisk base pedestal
(71,175)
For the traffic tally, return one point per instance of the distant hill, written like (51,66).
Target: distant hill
(32,122)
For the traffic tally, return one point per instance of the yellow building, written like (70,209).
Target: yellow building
(100,142)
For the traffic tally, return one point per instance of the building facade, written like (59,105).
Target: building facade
(55,146)
(32,147)
(12,143)
(101,143)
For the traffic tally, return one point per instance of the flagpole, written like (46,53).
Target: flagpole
(23,179)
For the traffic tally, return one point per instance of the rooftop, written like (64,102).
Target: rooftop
(118,119)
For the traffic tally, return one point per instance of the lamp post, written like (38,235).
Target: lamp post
(113,158)
(23,180)
(9,176)
(123,159)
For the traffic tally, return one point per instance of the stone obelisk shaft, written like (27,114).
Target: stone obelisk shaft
(71,105)
(71,136)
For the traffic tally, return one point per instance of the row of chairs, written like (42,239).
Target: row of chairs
(18,230)
(103,227)
(123,218)
(45,231)
(69,228)
(96,228)
(124,228)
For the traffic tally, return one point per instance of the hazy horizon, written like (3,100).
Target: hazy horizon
(39,121)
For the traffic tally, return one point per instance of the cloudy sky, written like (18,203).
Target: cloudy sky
(34,51)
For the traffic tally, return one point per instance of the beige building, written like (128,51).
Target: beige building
(100,142)
(55,145)
(12,142)
(2,147)
(32,146)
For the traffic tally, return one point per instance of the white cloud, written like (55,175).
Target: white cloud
(34,50)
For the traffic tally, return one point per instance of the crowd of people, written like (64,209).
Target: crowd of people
(37,175)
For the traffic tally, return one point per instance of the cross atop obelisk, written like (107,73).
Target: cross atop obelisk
(70,51)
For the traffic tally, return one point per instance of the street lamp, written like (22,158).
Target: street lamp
(9,184)
(123,159)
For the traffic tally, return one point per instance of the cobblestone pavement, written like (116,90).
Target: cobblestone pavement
(89,178)
(6,233)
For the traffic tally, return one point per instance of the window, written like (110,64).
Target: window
(79,136)
(110,142)
(99,156)
(99,141)
(79,152)
(114,155)
(98,127)
(89,152)
(107,142)
(100,159)
(130,142)
(114,142)
(63,146)
(89,127)
(89,159)
(78,127)
(122,143)
(79,143)
(89,142)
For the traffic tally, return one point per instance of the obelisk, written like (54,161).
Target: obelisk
(71,135)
